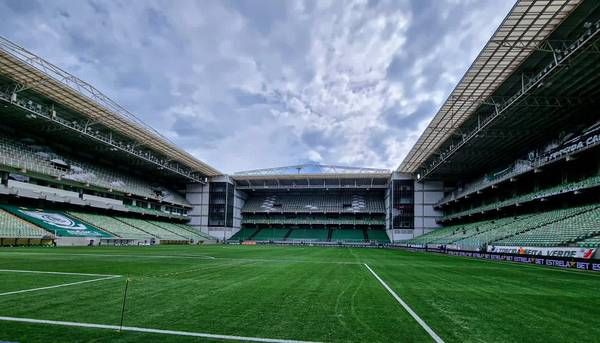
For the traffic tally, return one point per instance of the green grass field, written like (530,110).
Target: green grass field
(291,293)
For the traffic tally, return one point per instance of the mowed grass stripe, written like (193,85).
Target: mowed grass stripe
(474,300)
(406,307)
(301,301)
(58,286)
(463,300)
(150,330)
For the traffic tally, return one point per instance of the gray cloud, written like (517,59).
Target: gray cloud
(244,84)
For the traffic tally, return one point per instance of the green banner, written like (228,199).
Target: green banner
(55,222)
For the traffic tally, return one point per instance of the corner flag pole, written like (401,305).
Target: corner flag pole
(123,308)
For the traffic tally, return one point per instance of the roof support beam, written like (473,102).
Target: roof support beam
(48,113)
(562,58)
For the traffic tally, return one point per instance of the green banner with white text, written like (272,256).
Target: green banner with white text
(56,222)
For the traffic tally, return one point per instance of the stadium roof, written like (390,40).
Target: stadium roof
(312,176)
(523,31)
(312,169)
(50,81)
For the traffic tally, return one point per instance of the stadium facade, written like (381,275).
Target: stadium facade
(510,160)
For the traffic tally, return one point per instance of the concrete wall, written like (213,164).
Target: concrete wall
(396,234)
(427,194)
(197,195)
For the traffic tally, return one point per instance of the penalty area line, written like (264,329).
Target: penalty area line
(53,273)
(61,285)
(150,330)
(406,307)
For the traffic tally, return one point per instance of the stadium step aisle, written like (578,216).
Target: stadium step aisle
(113,226)
(14,227)
(152,229)
(351,235)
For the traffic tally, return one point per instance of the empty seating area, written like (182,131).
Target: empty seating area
(112,225)
(543,193)
(350,235)
(548,228)
(152,211)
(314,203)
(307,235)
(33,157)
(152,229)
(463,233)
(14,227)
(592,242)
(184,231)
(270,234)
(243,234)
(562,232)
(312,220)
(377,236)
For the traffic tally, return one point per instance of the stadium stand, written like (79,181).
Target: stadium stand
(313,203)
(243,234)
(379,236)
(347,235)
(270,234)
(113,226)
(548,228)
(313,219)
(14,227)
(561,232)
(30,156)
(589,182)
(592,242)
(184,231)
(316,235)
(151,228)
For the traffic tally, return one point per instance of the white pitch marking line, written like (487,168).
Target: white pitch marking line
(54,273)
(61,285)
(180,257)
(111,255)
(149,330)
(406,307)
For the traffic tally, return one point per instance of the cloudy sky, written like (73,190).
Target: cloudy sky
(247,84)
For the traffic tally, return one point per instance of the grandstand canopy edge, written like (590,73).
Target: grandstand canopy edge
(41,80)
(520,51)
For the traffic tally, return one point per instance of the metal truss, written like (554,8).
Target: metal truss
(71,81)
(312,169)
(36,110)
(528,85)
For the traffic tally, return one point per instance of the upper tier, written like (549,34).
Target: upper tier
(311,203)
(40,159)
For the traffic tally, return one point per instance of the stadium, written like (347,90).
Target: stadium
(488,230)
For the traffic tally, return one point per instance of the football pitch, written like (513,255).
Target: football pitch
(281,294)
